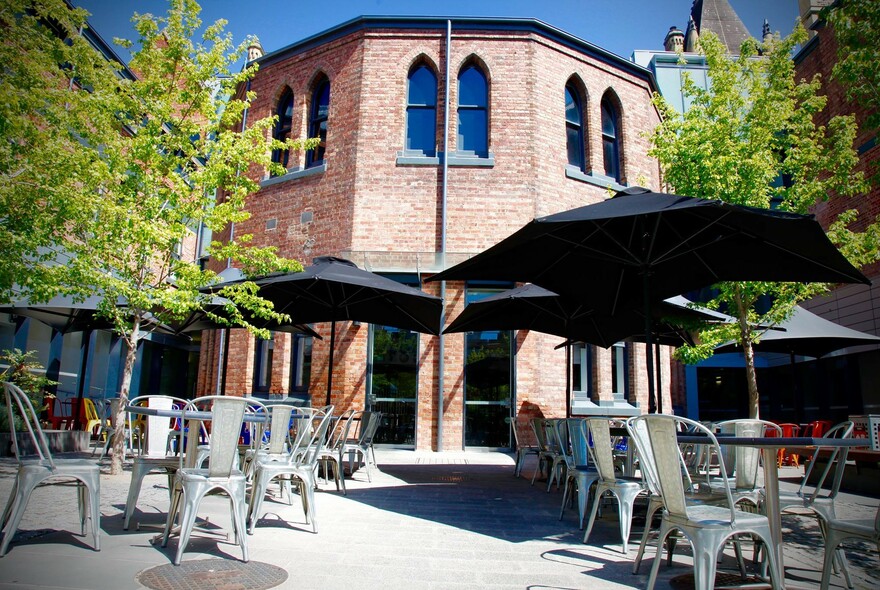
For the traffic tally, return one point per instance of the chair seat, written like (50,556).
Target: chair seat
(193,474)
(706,515)
(62,466)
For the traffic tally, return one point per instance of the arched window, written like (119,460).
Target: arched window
(421,111)
(283,126)
(574,130)
(318,122)
(473,111)
(611,139)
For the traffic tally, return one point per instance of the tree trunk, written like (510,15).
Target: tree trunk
(118,447)
(745,330)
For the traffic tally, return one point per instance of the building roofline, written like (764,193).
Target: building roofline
(458,22)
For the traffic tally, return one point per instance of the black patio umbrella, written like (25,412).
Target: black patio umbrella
(531,307)
(641,246)
(335,289)
(807,334)
(66,314)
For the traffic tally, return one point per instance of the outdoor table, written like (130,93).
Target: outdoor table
(769,448)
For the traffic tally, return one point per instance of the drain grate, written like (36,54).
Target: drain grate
(723,580)
(213,574)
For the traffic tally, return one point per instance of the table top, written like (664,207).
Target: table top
(191,415)
(776,442)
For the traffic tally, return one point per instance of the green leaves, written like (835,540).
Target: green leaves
(752,138)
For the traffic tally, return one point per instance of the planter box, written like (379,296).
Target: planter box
(60,441)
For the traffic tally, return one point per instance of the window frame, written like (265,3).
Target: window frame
(283,156)
(610,113)
(315,157)
(577,126)
(412,107)
(473,108)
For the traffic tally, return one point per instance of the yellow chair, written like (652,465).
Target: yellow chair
(91,420)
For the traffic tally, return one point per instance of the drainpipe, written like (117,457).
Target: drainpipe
(441,365)
(223,349)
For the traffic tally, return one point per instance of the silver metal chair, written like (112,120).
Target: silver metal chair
(580,474)
(330,454)
(277,433)
(191,484)
(36,471)
(742,463)
(706,527)
(837,531)
(154,452)
(522,431)
(362,447)
(624,490)
(301,463)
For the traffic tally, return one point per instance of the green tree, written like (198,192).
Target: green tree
(130,167)
(855,24)
(752,139)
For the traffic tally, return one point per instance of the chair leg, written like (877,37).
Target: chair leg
(138,472)
(665,530)
(258,491)
(22,493)
(653,506)
(625,510)
(187,521)
(239,509)
(595,507)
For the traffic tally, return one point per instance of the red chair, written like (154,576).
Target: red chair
(817,428)
(784,457)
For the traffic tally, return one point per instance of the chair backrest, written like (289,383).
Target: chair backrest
(817,428)
(17,402)
(540,433)
(91,411)
(227,417)
(659,439)
(341,430)
(601,450)
(836,460)
(577,436)
(308,447)
(642,445)
(743,462)
(369,425)
(157,427)
(278,427)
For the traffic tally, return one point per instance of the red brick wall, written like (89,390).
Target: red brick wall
(364,201)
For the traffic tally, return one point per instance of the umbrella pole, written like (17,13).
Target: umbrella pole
(649,344)
(659,379)
(568,381)
(225,362)
(86,341)
(330,364)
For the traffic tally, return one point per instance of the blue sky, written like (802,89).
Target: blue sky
(619,26)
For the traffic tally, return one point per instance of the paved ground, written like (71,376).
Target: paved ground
(452,520)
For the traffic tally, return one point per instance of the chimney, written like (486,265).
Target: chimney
(674,40)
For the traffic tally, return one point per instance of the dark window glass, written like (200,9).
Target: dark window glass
(263,364)
(574,134)
(473,112)
(283,126)
(610,140)
(421,111)
(318,122)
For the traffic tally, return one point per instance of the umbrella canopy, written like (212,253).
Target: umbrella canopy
(806,334)
(531,307)
(642,246)
(63,313)
(199,320)
(334,289)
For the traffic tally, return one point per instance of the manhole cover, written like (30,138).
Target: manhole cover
(213,574)
(723,580)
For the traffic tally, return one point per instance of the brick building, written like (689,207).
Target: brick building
(539,121)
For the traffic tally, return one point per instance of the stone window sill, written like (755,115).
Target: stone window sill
(595,179)
(293,174)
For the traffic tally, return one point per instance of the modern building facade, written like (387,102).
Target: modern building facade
(439,138)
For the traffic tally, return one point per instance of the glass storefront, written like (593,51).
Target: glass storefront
(488,381)
(393,385)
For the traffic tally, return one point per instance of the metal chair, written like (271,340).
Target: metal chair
(742,463)
(580,474)
(837,531)
(33,472)
(191,484)
(331,450)
(153,448)
(521,432)
(363,445)
(300,463)
(277,433)
(624,490)
(706,527)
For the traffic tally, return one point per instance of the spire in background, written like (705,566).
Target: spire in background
(766,34)
(692,37)
(720,18)
(254,50)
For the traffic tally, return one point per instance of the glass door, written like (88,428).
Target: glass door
(488,384)
(393,383)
